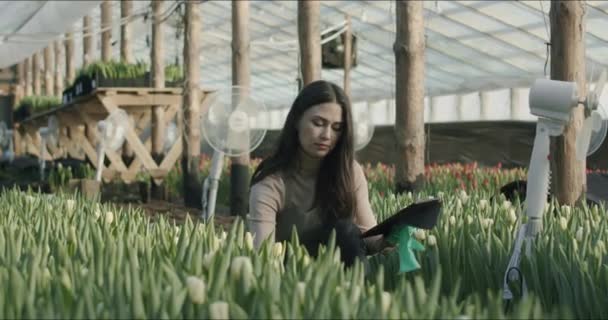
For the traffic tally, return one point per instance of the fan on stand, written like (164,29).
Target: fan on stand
(363,126)
(551,101)
(595,126)
(6,142)
(49,136)
(110,136)
(234,124)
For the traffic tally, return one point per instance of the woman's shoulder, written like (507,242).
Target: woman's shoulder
(358,174)
(358,169)
(272,183)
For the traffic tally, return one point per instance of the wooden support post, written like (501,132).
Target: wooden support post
(48,71)
(20,88)
(568,64)
(106,34)
(126,52)
(239,177)
(409,122)
(58,74)
(70,70)
(157,57)
(29,90)
(191,126)
(309,36)
(348,54)
(87,41)
(36,73)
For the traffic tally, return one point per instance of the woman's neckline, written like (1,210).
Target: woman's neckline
(307,165)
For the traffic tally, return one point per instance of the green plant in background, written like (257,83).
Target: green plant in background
(59,176)
(115,69)
(40,103)
(174,72)
(85,171)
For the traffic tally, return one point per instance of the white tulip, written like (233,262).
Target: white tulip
(69,205)
(208,259)
(512,216)
(440,194)
(386,301)
(419,234)
(305,260)
(486,223)
(355,294)
(458,204)
(197,289)
(241,268)
(248,241)
(563,223)
(432,241)
(566,210)
(277,249)
(463,195)
(109,217)
(452,220)
(506,204)
(301,292)
(218,310)
(579,234)
(483,204)
(469,219)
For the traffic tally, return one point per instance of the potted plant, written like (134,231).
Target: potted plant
(32,105)
(110,74)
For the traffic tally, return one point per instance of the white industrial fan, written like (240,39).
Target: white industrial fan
(552,101)
(363,126)
(49,136)
(595,125)
(171,134)
(234,124)
(110,136)
(6,142)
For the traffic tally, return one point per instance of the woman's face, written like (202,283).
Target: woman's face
(320,129)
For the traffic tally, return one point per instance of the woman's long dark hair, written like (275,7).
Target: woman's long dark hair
(334,192)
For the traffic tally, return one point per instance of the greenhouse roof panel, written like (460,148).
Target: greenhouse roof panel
(470,45)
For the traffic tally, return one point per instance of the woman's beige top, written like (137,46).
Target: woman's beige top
(281,201)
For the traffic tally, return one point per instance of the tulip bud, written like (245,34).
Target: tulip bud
(109,217)
(579,234)
(563,223)
(218,310)
(197,289)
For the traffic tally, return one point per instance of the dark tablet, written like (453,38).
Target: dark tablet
(422,214)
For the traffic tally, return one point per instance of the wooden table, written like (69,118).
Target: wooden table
(78,127)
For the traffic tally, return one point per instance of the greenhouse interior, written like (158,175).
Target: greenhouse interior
(303,159)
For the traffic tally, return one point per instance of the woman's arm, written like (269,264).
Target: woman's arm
(265,201)
(364,216)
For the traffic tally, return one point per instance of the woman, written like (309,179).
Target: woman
(312,181)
